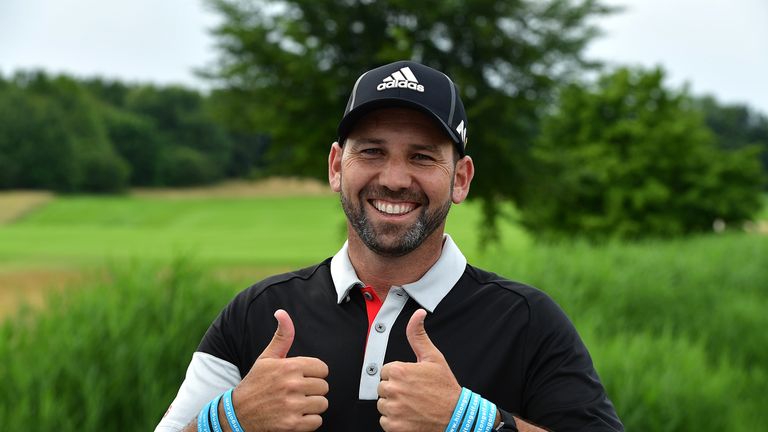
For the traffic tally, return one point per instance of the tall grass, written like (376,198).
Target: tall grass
(712,289)
(109,356)
(676,328)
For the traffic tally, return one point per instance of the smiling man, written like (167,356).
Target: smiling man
(395,332)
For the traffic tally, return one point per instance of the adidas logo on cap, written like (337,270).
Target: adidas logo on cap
(402,78)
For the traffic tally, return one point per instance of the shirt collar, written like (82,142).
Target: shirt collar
(427,291)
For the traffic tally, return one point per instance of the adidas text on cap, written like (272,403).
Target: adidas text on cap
(413,85)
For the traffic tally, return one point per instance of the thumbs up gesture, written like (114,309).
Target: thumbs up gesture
(279,393)
(417,396)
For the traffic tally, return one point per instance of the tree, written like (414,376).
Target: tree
(736,125)
(184,166)
(137,140)
(286,68)
(53,136)
(180,118)
(629,158)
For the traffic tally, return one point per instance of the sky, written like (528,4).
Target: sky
(717,47)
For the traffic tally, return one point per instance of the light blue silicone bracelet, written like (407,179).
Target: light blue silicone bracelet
(491,417)
(458,412)
(213,414)
(202,420)
(229,410)
(469,418)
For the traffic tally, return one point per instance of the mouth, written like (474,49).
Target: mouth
(393,208)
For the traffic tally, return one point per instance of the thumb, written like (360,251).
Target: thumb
(283,338)
(420,342)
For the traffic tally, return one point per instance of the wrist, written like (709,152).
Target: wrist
(472,413)
(223,415)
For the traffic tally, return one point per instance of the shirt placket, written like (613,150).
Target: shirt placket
(376,345)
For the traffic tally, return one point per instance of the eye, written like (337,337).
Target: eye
(423,157)
(371,151)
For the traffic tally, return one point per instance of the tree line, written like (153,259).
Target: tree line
(94,135)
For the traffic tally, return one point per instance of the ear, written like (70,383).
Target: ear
(462,177)
(334,167)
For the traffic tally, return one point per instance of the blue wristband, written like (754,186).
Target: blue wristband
(458,412)
(213,414)
(482,417)
(469,418)
(229,410)
(491,417)
(202,420)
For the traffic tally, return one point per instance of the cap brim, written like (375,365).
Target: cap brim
(352,117)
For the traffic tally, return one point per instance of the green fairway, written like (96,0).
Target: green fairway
(258,231)
(89,231)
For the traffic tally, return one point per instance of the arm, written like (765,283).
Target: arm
(207,376)
(421,396)
(278,393)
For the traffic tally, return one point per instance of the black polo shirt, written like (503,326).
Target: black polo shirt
(506,341)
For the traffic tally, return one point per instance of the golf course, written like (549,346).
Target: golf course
(104,298)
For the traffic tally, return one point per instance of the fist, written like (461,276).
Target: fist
(417,396)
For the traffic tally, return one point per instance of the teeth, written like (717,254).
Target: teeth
(389,208)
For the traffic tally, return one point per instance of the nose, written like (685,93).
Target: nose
(395,175)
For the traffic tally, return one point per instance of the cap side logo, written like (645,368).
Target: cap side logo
(462,132)
(403,78)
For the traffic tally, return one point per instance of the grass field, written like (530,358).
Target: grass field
(256,231)
(233,230)
(676,328)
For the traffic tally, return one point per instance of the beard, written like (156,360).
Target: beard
(407,238)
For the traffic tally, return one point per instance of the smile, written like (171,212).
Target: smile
(393,208)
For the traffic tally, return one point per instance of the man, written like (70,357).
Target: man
(387,333)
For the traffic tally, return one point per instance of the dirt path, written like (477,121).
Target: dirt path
(15,204)
(32,286)
(272,187)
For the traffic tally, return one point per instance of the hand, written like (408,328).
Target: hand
(279,393)
(417,396)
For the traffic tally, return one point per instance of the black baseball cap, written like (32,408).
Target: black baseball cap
(408,84)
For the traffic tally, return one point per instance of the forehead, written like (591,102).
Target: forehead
(399,120)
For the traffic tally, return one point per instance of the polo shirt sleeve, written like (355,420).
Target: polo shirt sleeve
(225,336)
(562,389)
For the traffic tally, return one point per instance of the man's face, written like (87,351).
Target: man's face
(396,175)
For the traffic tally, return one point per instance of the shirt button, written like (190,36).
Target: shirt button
(399,292)
(380,327)
(371,369)
(367,296)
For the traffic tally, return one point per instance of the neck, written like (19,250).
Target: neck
(382,272)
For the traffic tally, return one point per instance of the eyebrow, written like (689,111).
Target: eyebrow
(378,141)
(368,141)
(427,147)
